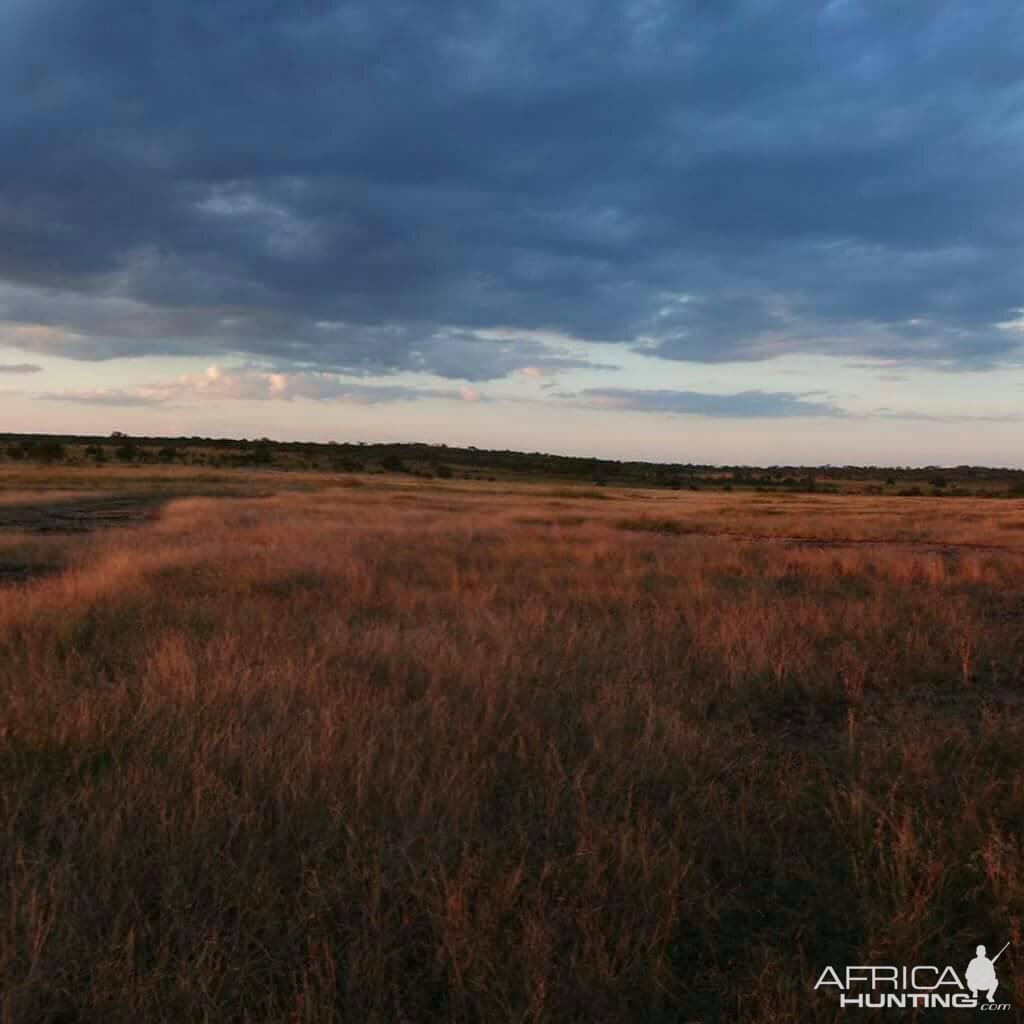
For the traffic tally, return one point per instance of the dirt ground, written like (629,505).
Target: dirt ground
(80,514)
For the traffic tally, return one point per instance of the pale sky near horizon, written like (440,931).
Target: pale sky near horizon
(748,232)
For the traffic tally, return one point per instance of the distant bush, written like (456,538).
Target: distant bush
(574,492)
(49,451)
(646,524)
(393,464)
(127,451)
(443,472)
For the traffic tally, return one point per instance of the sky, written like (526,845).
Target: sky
(737,231)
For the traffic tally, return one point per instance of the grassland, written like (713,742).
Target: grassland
(411,750)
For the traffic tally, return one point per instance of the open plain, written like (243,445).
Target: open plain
(407,750)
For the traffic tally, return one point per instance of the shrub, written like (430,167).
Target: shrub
(49,451)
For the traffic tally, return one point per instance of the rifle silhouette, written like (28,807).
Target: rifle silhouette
(999,954)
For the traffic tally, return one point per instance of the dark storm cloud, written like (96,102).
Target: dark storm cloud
(361,187)
(743,404)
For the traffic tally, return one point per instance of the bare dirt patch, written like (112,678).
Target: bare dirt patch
(677,528)
(80,516)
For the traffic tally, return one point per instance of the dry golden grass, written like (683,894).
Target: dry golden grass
(39,480)
(411,752)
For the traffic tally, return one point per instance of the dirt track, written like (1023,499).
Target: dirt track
(79,516)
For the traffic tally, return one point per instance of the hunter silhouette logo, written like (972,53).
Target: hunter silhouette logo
(981,973)
(924,985)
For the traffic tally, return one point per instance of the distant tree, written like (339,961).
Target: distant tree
(167,454)
(128,451)
(393,464)
(49,451)
(444,472)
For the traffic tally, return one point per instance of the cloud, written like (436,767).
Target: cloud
(102,396)
(20,368)
(885,412)
(699,181)
(252,385)
(743,404)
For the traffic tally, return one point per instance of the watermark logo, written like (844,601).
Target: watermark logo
(981,973)
(922,986)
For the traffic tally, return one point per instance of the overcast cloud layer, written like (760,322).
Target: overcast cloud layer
(368,188)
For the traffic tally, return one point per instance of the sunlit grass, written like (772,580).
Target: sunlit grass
(484,754)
